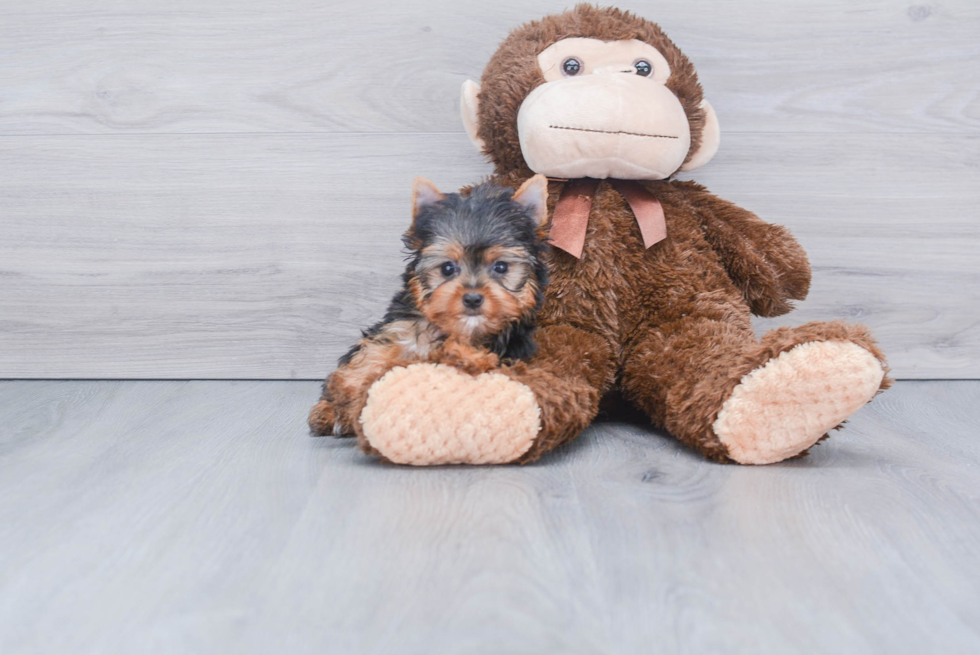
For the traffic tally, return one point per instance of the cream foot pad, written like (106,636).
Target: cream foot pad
(427,414)
(781,409)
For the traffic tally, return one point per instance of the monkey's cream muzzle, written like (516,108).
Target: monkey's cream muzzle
(608,115)
(604,125)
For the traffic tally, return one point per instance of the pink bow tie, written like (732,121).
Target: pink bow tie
(570,220)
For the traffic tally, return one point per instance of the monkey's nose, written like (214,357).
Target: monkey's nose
(472,300)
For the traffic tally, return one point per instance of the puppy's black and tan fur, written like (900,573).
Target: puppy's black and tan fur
(472,288)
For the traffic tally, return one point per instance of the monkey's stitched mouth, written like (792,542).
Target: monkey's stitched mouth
(583,129)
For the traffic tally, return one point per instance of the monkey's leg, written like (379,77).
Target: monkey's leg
(571,372)
(710,384)
(429,414)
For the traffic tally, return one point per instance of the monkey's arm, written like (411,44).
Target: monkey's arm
(765,261)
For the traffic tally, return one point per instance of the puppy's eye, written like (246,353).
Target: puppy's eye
(500,268)
(643,68)
(571,67)
(448,269)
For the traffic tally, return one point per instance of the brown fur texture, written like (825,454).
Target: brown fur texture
(669,325)
(513,73)
(345,390)
(472,288)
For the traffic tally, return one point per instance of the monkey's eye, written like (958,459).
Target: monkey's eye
(448,269)
(500,268)
(643,67)
(571,67)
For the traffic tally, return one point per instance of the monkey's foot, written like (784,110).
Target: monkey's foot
(779,410)
(427,414)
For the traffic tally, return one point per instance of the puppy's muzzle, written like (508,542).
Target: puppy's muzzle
(472,301)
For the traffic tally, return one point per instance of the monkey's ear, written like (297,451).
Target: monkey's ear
(424,193)
(710,139)
(469,107)
(533,195)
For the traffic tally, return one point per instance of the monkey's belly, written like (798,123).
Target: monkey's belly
(620,284)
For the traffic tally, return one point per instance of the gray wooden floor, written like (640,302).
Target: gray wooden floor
(198,517)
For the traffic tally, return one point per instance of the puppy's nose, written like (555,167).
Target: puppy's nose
(472,300)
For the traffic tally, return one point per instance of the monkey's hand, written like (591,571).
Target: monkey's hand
(765,261)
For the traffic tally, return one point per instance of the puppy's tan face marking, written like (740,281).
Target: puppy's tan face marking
(509,267)
(438,264)
(450,277)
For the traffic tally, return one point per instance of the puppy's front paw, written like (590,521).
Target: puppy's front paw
(428,414)
(466,358)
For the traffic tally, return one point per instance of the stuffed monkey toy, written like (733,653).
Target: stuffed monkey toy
(653,280)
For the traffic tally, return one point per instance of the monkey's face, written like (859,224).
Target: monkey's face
(603,111)
(616,99)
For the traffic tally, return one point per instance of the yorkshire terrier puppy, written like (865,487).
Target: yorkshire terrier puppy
(472,288)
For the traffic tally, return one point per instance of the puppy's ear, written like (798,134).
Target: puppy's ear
(533,195)
(424,194)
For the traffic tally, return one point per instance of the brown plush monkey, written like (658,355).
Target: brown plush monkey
(653,280)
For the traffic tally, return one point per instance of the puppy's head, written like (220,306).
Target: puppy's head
(477,259)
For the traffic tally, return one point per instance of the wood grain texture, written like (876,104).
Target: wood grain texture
(198,517)
(216,190)
(112,66)
(231,256)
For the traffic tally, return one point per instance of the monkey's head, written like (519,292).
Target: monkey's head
(593,92)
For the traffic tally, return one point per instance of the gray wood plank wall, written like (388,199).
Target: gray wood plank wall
(216,190)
